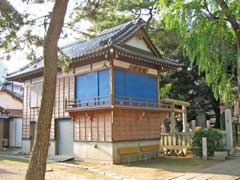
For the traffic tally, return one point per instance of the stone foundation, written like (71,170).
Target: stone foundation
(26,147)
(93,151)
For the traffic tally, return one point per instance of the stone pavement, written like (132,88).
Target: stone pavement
(229,170)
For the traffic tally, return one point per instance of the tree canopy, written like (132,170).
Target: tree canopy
(208,38)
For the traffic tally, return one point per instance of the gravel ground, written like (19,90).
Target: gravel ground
(13,169)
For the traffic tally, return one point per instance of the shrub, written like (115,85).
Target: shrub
(214,140)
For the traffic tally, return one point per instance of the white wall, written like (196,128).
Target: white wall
(138,43)
(9,102)
(26,146)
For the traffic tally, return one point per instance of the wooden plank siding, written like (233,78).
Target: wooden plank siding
(93,126)
(64,89)
(137,124)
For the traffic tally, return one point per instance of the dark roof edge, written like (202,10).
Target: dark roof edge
(154,59)
(24,75)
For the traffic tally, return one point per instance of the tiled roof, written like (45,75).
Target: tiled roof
(115,34)
(112,37)
(36,66)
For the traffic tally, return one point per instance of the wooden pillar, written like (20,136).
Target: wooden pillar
(111,82)
(158,87)
(172,119)
(184,118)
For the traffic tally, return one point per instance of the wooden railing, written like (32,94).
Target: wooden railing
(88,102)
(176,140)
(120,101)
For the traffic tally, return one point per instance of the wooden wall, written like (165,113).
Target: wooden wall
(93,126)
(64,89)
(136,124)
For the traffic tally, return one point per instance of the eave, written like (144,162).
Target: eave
(107,53)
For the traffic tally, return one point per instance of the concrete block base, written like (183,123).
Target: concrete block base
(93,151)
(26,147)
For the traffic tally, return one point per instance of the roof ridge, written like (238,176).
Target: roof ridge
(131,30)
(118,27)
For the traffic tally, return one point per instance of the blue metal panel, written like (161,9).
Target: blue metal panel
(134,85)
(87,86)
(119,84)
(141,86)
(104,86)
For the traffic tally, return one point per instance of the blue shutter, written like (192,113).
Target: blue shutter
(134,85)
(104,86)
(87,87)
(119,85)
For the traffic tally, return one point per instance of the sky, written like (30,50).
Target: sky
(36,10)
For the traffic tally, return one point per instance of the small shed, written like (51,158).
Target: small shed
(10,119)
(10,128)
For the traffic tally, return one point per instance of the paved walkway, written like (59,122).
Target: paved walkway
(229,170)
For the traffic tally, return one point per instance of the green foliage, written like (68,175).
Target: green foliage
(207,39)
(108,13)
(17,33)
(165,90)
(214,140)
(10,23)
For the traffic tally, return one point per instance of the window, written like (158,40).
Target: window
(36,95)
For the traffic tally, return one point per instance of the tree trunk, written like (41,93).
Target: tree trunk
(218,115)
(238,71)
(38,160)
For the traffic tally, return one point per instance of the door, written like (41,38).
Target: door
(6,133)
(65,136)
(15,130)
(32,133)
(1,133)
